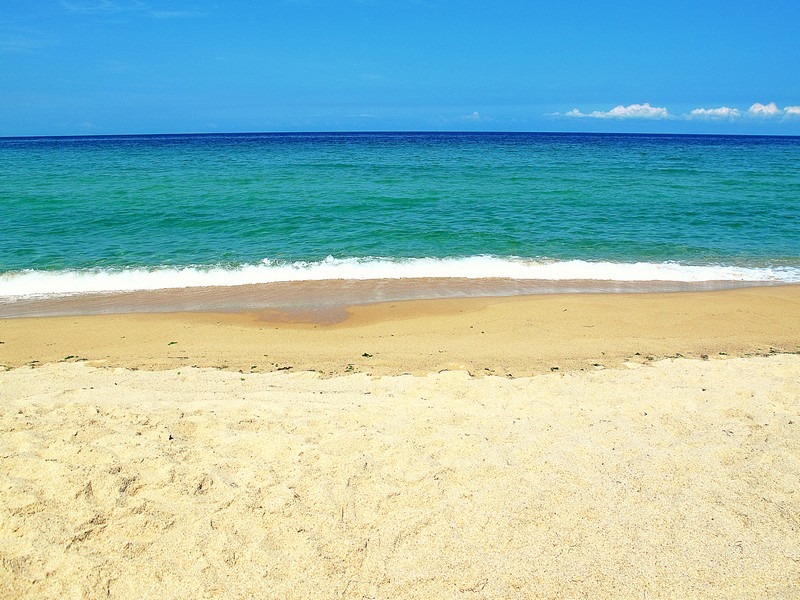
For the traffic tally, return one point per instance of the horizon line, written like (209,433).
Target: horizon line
(389,132)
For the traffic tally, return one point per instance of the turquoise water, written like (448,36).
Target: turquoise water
(143,212)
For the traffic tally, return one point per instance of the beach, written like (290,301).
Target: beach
(561,445)
(411,299)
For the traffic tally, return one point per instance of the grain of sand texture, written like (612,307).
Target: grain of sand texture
(660,459)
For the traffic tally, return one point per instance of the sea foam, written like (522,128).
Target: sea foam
(33,283)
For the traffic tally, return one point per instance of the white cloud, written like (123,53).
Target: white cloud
(764,110)
(102,6)
(177,14)
(723,112)
(112,7)
(23,41)
(638,111)
(474,117)
(771,111)
(632,111)
(646,111)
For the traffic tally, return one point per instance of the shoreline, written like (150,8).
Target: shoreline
(299,299)
(512,335)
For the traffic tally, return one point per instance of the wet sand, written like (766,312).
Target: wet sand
(516,336)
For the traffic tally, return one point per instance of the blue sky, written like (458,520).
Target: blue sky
(158,66)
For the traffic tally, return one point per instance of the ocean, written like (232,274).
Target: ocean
(469,213)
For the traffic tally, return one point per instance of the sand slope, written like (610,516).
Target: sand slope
(515,336)
(674,479)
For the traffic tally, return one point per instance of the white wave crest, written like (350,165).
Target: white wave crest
(33,283)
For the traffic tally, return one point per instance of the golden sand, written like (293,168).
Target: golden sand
(555,446)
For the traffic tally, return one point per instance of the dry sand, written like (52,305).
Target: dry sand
(621,474)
